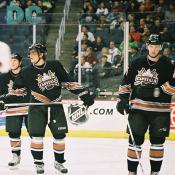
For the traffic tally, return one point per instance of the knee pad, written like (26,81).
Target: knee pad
(138,140)
(59,136)
(14,135)
(157,140)
(37,140)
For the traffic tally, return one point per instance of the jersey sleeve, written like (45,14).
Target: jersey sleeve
(168,87)
(68,83)
(125,88)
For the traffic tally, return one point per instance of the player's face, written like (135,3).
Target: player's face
(33,55)
(154,50)
(14,64)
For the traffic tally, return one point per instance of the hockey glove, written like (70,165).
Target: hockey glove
(147,91)
(87,99)
(123,105)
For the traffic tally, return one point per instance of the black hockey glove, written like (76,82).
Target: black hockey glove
(2,105)
(147,91)
(123,105)
(87,99)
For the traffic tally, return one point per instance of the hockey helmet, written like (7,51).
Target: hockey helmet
(40,48)
(154,39)
(16,56)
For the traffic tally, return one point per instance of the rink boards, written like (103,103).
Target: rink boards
(103,121)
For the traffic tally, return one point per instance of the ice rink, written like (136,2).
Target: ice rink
(85,156)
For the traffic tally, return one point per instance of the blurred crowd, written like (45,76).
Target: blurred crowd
(102,34)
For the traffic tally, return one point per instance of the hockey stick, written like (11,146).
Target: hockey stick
(134,144)
(37,104)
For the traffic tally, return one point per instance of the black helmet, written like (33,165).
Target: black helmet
(40,48)
(154,39)
(16,56)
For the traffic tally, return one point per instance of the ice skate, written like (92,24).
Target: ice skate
(39,168)
(59,168)
(13,164)
(132,173)
(154,173)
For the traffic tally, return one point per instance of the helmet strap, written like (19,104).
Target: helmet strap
(38,57)
(154,56)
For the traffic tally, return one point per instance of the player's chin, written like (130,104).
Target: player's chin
(32,60)
(154,55)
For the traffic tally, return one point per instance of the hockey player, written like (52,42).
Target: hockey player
(145,93)
(45,79)
(10,95)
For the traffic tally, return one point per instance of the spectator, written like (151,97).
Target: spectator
(89,17)
(115,53)
(166,35)
(17,3)
(157,27)
(44,8)
(86,70)
(104,67)
(145,35)
(85,30)
(141,26)
(102,10)
(130,42)
(135,34)
(28,4)
(131,19)
(90,56)
(134,52)
(141,12)
(159,13)
(84,40)
(102,23)
(47,4)
(84,47)
(149,6)
(161,4)
(167,53)
(104,51)
(170,13)
(86,6)
(98,44)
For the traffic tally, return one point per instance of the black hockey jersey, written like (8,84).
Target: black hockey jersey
(20,95)
(45,82)
(158,74)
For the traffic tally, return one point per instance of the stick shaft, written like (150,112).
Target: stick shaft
(134,144)
(38,104)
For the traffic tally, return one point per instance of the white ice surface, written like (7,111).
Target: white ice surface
(85,156)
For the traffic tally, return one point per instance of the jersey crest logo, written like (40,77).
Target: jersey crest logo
(77,114)
(47,81)
(145,77)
